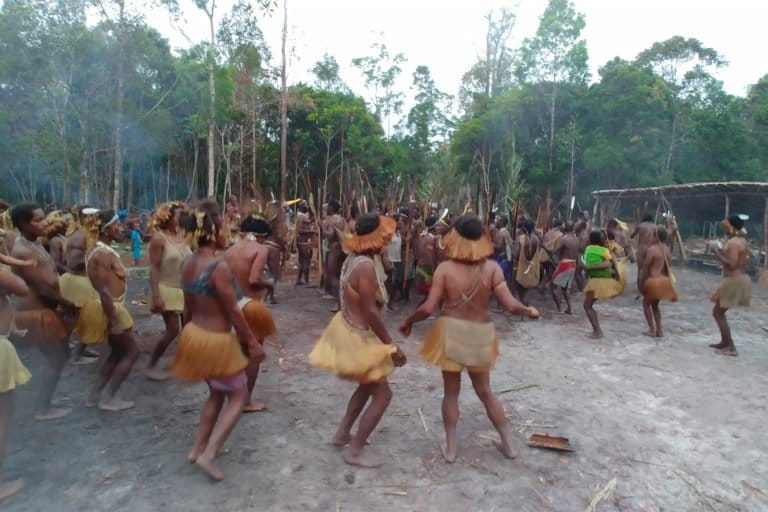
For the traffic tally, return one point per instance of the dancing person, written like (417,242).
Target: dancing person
(305,232)
(395,276)
(58,225)
(424,252)
(645,232)
(13,373)
(43,312)
(502,247)
(107,317)
(464,336)
(604,278)
(656,281)
(247,260)
(567,250)
(356,345)
(528,273)
(736,288)
(333,224)
(167,252)
(74,283)
(208,350)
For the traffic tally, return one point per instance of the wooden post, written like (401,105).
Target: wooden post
(594,211)
(765,233)
(727,205)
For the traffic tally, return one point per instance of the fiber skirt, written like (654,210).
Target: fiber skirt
(203,354)
(42,325)
(77,289)
(13,373)
(259,318)
(660,288)
(608,287)
(470,336)
(352,353)
(734,291)
(92,326)
(172,297)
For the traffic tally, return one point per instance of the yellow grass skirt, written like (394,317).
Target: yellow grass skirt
(433,348)
(172,297)
(77,289)
(204,354)
(734,291)
(660,288)
(352,353)
(13,373)
(92,325)
(259,318)
(608,287)
(42,325)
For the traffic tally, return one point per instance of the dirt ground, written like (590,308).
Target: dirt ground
(674,424)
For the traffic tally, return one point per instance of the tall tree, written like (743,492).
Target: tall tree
(380,72)
(556,55)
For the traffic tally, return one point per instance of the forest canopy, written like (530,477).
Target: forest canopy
(95,107)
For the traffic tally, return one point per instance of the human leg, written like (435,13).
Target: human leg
(481,382)
(354,453)
(6,412)
(355,406)
(55,354)
(451,389)
(227,419)
(208,415)
(726,345)
(172,322)
(129,352)
(589,301)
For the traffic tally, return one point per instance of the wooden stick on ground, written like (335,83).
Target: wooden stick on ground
(703,496)
(517,388)
(423,423)
(601,495)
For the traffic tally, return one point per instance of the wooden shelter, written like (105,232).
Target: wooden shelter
(692,204)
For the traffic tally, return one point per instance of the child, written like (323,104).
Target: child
(135,243)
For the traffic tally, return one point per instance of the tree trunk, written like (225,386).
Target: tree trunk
(284,109)
(130,182)
(667,168)
(117,176)
(212,93)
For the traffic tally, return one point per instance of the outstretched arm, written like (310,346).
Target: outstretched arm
(430,305)
(505,298)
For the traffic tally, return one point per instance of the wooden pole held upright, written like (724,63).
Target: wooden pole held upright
(765,233)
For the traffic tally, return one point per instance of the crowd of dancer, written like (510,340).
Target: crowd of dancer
(213,272)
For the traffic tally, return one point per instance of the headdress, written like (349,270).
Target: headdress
(460,248)
(163,213)
(374,241)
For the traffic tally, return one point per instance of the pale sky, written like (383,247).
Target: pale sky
(447,35)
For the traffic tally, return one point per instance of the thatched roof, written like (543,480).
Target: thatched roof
(687,190)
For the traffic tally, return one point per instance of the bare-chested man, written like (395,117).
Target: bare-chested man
(736,288)
(646,234)
(656,281)
(566,249)
(333,222)
(106,272)
(305,231)
(57,243)
(618,236)
(464,336)
(424,252)
(247,260)
(502,246)
(356,345)
(43,312)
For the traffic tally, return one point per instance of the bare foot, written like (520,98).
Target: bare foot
(254,407)
(210,469)
(650,334)
(52,414)
(727,351)
(717,345)
(156,374)
(341,439)
(194,453)
(362,459)
(568,311)
(449,456)
(90,353)
(506,449)
(659,334)
(222,452)
(93,399)
(115,404)
(8,489)
(595,335)
(274,301)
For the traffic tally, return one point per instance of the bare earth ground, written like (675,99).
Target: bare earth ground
(647,414)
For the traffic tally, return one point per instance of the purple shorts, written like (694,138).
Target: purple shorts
(228,384)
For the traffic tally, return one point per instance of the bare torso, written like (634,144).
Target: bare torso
(656,257)
(74,255)
(551,237)
(42,276)
(207,311)
(425,250)
(467,289)
(736,250)
(568,247)
(247,260)
(645,232)
(106,270)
